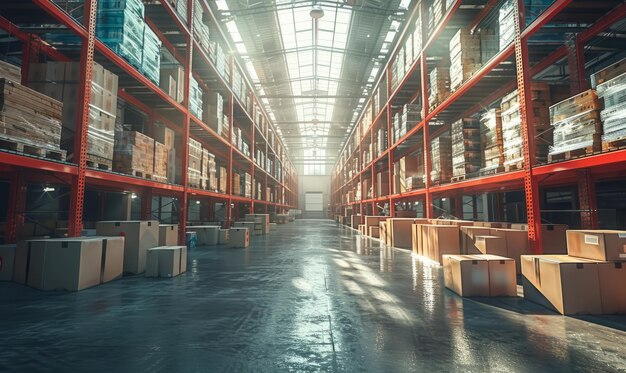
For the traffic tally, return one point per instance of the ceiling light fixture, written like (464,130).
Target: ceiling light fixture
(316,12)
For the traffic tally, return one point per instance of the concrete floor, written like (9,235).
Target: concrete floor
(311,297)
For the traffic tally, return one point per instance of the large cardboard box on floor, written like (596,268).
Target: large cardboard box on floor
(466,276)
(612,278)
(223,237)
(502,276)
(355,221)
(166,261)
(553,237)
(207,235)
(373,221)
(439,240)
(468,238)
(168,234)
(112,266)
(239,237)
(139,237)
(400,230)
(566,284)
(491,245)
(70,264)
(7,260)
(516,244)
(604,245)
(374,232)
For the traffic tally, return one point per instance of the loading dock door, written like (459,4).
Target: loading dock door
(314,202)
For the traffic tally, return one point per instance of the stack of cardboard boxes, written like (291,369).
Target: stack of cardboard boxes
(441,159)
(491,144)
(439,87)
(466,156)
(611,86)
(140,155)
(465,58)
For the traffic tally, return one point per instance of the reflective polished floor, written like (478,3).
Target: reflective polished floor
(312,296)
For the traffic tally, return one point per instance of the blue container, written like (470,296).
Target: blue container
(191,240)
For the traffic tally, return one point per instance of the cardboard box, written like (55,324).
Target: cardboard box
(70,264)
(112,264)
(502,276)
(440,240)
(166,261)
(374,232)
(492,245)
(603,245)
(239,237)
(7,262)
(468,238)
(168,234)
(566,284)
(139,237)
(612,278)
(223,237)
(466,276)
(553,237)
(400,232)
(207,235)
(516,244)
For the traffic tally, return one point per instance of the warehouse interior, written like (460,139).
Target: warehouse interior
(313,185)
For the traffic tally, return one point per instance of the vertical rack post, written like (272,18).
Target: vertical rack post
(182,222)
(390,143)
(77,195)
(524,90)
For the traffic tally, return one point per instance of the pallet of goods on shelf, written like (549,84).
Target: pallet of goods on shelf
(223,180)
(465,57)
(612,71)
(195,98)
(417,36)
(213,112)
(577,126)
(466,156)
(512,126)
(436,10)
(507,13)
(406,167)
(120,25)
(200,28)
(441,159)
(136,154)
(181,8)
(381,142)
(194,166)
(172,81)
(30,122)
(247,185)
(166,136)
(59,80)
(439,87)
(151,55)
(491,143)
(411,116)
(613,92)
(10,71)
(489,46)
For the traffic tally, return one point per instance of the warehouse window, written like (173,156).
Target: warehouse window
(314,163)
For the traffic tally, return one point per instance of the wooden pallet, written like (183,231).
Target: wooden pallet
(99,163)
(470,175)
(491,171)
(572,154)
(608,146)
(137,173)
(37,150)
(514,166)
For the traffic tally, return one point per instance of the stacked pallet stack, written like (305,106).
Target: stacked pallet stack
(465,57)
(201,29)
(195,98)
(151,55)
(611,86)
(246,185)
(576,123)
(172,81)
(29,121)
(213,113)
(195,163)
(506,23)
(436,10)
(441,153)
(491,142)
(512,126)
(59,80)
(223,180)
(439,87)
(166,136)
(466,155)
(135,155)
(411,116)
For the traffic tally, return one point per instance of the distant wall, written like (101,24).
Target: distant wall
(313,184)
